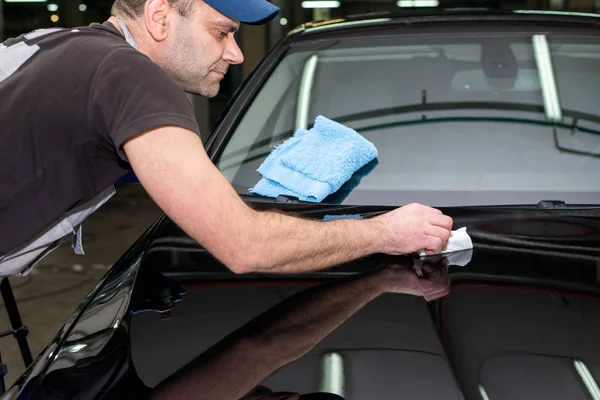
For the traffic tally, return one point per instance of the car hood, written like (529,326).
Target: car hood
(524,308)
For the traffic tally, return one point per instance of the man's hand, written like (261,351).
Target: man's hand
(399,277)
(413,228)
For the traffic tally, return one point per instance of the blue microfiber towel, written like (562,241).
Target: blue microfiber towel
(313,164)
(347,188)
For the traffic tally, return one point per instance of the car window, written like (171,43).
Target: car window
(457,120)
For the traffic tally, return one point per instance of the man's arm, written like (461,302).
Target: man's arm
(173,167)
(288,331)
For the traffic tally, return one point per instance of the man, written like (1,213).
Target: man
(81,106)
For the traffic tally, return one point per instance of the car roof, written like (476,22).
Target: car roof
(440,15)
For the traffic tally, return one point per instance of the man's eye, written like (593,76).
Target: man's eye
(223,35)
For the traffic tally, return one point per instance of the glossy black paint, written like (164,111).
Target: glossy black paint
(531,290)
(514,250)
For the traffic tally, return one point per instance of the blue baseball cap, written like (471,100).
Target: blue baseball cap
(251,12)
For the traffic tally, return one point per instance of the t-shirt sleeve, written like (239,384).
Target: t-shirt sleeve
(130,95)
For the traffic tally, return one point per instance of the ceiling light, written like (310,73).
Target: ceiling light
(304,92)
(25,1)
(483,393)
(332,374)
(588,379)
(417,3)
(320,4)
(283,21)
(54,18)
(543,59)
(77,347)
(82,7)
(52,7)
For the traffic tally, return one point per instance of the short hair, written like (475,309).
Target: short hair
(135,8)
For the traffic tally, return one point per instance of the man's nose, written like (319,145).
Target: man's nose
(233,54)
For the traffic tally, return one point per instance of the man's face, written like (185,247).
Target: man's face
(200,48)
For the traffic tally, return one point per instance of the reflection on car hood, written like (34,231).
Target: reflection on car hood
(525,309)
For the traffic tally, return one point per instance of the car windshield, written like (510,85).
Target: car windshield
(471,119)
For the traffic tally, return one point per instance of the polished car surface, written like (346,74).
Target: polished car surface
(516,317)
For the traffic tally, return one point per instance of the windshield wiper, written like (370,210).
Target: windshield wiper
(576,116)
(551,204)
(281,199)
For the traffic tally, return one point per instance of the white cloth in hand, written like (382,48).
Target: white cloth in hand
(460,240)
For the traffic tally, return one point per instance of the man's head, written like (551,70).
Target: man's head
(192,40)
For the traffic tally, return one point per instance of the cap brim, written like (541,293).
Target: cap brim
(251,12)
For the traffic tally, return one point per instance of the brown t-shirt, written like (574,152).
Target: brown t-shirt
(69,99)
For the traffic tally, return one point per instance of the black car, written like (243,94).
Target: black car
(494,118)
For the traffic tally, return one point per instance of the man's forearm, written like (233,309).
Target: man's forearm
(292,328)
(285,244)
(173,167)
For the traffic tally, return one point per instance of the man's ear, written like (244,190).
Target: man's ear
(156,13)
